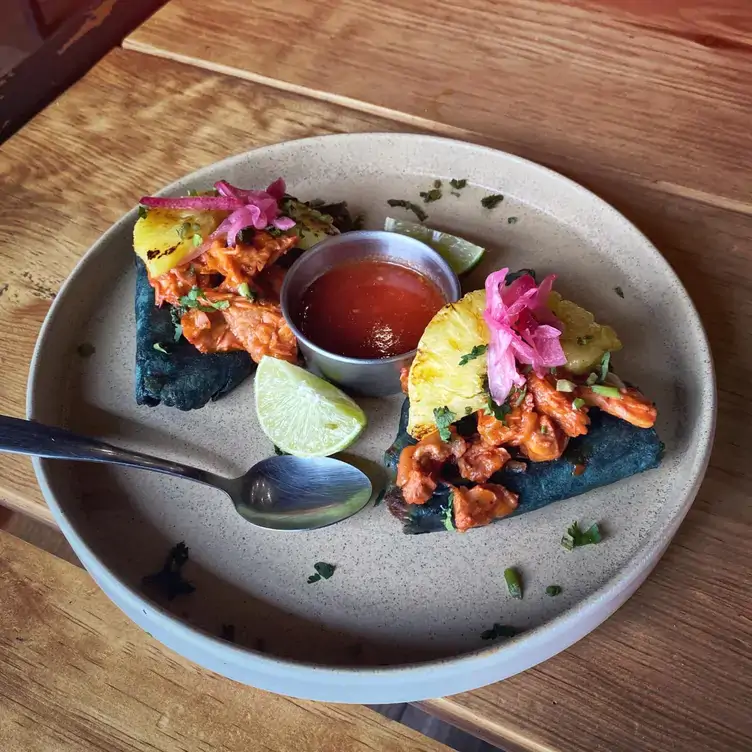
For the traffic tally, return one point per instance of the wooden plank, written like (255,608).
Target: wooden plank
(77,675)
(71,46)
(93,156)
(658,89)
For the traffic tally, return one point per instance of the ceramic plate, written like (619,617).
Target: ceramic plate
(401,618)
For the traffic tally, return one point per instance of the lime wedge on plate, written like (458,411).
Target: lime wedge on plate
(460,254)
(303,414)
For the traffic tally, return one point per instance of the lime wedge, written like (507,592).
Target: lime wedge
(303,414)
(460,254)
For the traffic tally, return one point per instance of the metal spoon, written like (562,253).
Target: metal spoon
(278,493)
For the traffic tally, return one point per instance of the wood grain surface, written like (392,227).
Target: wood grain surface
(658,89)
(673,668)
(76,675)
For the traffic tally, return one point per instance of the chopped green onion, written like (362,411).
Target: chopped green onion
(160,347)
(605,363)
(577,403)
(564,385)
(553,590)
(245,291)
(514,583)
(197,239)
(607,391)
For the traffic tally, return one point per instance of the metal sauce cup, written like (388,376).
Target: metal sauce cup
(369,377)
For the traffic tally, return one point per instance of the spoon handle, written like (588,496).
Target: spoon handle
(38,440)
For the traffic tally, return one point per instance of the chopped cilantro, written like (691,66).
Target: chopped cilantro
(497,631)
(468,410)
(492,201)
(159,346)
(246,292)
(575,537)
(197,239)
(458,185)
(323,571)
(191,300)
(619,291)
(430,196)
(577,403)
(553,590)
(512,220)
(410,206)
(175,314)
(476,352)
(444,418)
(544,429)
(447,514)
(514,582)
(498,411)
(605,363)
(520,396)
(170,578)
(86,349)
(143,212)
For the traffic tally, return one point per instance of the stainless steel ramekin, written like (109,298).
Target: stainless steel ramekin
(368,377)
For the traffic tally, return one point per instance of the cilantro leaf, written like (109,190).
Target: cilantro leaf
(143,212)
(430,196)
(458,185)
(619,291)
(444,418)
(497,631)
(313,578)
(410,206)
(447,514)
(175,315)
(324,570)
(512,220)
(476,352)
(492,201)
(553,590)
(170,578)
(499,412)
(575,537)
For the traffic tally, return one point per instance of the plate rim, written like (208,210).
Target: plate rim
(403,682)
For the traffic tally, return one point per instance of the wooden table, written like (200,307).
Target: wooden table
(648,104)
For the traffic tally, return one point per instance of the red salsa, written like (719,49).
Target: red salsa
(368,309)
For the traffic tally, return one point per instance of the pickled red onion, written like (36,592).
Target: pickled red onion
(523,329)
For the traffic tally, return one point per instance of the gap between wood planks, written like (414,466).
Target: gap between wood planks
(414,121)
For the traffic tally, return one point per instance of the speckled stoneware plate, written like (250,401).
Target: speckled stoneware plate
(401,618)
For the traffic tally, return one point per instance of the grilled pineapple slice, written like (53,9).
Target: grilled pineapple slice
(436,377)
(583,340)
(164,237)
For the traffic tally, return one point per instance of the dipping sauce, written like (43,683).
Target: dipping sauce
(368,309)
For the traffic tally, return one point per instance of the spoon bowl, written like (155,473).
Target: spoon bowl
(278,493)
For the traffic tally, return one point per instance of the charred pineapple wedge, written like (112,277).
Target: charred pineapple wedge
(162,238)
(437,379)
(583,340)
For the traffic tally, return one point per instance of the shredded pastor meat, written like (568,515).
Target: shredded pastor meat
(558,405)
(481,461)
(481,505)
(631,406)
(240,323)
